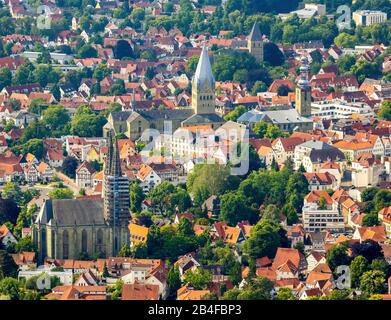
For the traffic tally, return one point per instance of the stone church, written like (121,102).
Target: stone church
(87,227)
(202,111)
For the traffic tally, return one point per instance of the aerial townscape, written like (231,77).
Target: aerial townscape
(195,150)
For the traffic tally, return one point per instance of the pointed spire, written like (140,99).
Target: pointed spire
(255,34)
(204,70)
(109,151)
(115,168)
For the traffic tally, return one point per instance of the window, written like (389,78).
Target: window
(65,244)
(84,241)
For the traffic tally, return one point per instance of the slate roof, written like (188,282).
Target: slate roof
(120,115)
(325,155)
(66,212)
(203,118)
(274,116)
(255,34)
(169,114)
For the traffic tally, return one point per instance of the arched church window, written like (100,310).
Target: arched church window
(65,244)
(84,241)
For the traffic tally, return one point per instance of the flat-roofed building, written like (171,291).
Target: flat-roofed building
(369,17)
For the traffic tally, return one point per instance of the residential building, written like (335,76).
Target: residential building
(320,212)
(84,175)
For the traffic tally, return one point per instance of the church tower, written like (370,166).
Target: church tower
(116,197)
(203,86)
(303,91)
(255,43)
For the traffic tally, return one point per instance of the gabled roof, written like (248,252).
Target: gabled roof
(315,195)
(376,233)
(139,291)
(188,293)
(86,165)
(23,257)
(285,254)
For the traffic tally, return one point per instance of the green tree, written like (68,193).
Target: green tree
(105,272)
(364,69)
(380,265)
(5,77)
(25,244)
(87,51)
(260,129)
(118,88)
(372,282)
(370,219)
(345,63)
(290,213)
(35,147)
(259,86)
(258,289)
(235,114)
(199,278)
(24,74)
(210,179)
(101,71)
(273,132)
(382,199)
(271,212)
(69,166)
(339,295)
(300,246)
(125,251)
(10,287)
(12,190)
(266,236)
(87,123)
(337,256)
(358,266)
(234,208)
(160,196)
(8,268)
(61,193)
(173,279)
(346,40)
(192,64)
(322,203)
(37,106)
(385,111)
(285,294)
(56,119)
(136,197)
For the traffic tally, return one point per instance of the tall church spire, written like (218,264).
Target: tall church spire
(204,70)
(109,152)
(115,197)
(203,86)
(255,34)
(255,42)
(115,166)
